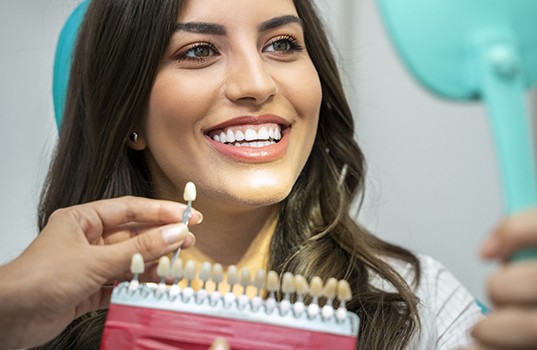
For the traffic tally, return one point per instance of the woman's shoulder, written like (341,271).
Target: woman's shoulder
(447,309)
(429,268)
(436,285)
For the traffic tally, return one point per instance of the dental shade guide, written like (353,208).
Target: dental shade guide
(163,316)
(191,317)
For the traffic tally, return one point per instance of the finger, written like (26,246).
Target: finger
(220,344)
(514,284)
(152,245)
(95,217)
(508,328)
(124,232)
(514,233)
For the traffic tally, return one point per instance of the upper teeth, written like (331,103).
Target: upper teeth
(250,134)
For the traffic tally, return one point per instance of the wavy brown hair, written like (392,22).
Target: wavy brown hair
(120,45)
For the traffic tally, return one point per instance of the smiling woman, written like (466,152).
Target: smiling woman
(220,75)
(244,98)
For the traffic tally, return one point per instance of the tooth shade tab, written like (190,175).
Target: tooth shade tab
(245,279)
(316,287)
(205,271)
(217,275)
(301,285)
(137,264)
(259,281)
(232,275)
(163,267)
(288,285)
(177,269)
(330,289)
(190,192)
(273,281)
(190,270)
(344,292)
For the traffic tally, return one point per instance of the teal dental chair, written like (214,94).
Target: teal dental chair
(62,60)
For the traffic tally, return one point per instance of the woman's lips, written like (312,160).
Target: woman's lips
(251,139)
(253,153)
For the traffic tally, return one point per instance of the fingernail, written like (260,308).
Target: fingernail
(173,233)
(190,240)
(201,218)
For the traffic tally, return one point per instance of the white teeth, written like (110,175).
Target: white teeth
(239,136)
(250,135)
(230,136)
(265,136)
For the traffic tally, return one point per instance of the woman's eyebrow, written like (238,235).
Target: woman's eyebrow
(201,27)
(218,29)
(279,21)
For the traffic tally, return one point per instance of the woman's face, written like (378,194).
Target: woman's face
(235,104)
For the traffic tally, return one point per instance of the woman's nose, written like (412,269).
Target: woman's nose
(248,79)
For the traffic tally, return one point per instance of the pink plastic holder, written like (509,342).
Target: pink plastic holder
(145,319)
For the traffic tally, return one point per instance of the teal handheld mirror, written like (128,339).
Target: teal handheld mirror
(478,50)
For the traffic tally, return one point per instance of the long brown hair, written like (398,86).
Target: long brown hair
(120,45)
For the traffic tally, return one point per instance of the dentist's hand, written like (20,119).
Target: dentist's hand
(513,289)
(65,271)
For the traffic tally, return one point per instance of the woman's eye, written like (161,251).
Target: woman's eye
(199,52)
(283,45)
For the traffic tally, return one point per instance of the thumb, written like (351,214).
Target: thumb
(152,244)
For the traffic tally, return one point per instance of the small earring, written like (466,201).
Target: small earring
(133,136)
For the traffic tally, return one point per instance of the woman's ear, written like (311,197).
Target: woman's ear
(136,141)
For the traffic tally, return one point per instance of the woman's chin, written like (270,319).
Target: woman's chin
(252,194)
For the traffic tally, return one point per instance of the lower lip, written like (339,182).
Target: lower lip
(253,154)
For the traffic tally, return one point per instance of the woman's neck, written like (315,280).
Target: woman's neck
(234,237)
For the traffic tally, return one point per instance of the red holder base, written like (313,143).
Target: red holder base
(129,327)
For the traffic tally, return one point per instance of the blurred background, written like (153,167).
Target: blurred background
(432,179)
